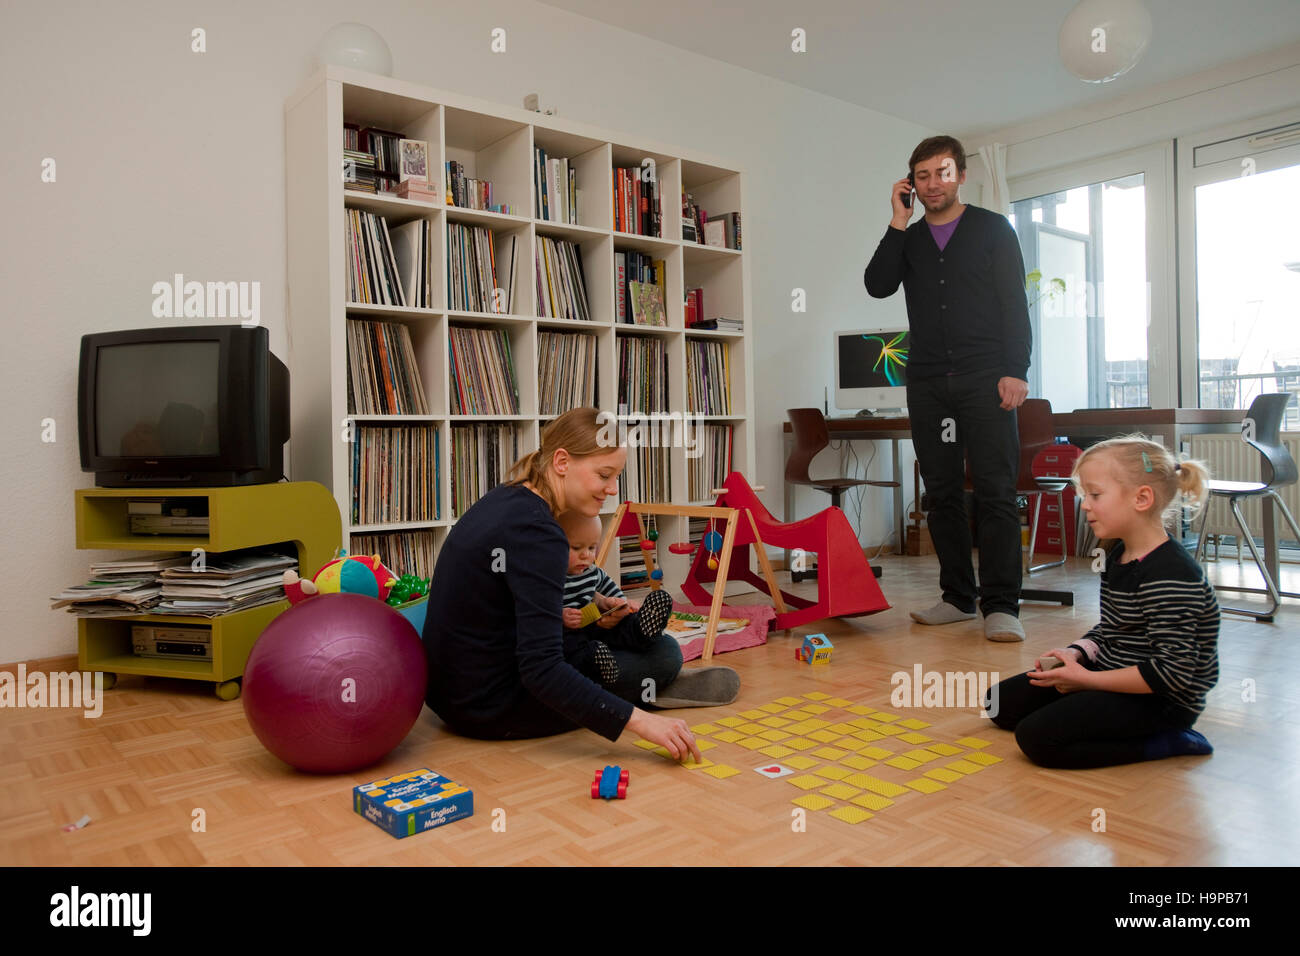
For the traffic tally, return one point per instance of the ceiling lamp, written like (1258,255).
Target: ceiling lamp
(1103,39)
(355,45)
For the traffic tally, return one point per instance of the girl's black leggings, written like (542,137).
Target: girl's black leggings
(1086,728)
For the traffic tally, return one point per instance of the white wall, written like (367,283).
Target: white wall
(171,161)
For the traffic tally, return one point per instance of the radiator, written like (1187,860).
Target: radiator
(1231,459)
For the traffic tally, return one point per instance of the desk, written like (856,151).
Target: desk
(1169,426)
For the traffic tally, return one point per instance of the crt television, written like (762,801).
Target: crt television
(185,406)
(871,368)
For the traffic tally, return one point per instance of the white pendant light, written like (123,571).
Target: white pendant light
(355,45)
(1103,39)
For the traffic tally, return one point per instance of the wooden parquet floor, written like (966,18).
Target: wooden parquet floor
(164,749)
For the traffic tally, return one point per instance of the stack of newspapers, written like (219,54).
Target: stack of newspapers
(224,583)
(200,585)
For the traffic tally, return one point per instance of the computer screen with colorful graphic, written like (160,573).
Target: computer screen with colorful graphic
(871,368)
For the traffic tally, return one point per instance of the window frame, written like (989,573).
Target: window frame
(1191,175)
(1156,164)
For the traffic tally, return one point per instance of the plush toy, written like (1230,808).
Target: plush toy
(408,588)
(344,575)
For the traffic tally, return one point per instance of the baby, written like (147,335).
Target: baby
(598,617)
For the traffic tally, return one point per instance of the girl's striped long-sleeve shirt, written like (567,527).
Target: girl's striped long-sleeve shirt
(1160,615)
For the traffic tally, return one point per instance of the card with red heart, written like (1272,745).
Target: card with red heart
(773,770)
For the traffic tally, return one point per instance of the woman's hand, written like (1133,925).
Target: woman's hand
(671,733)
(1070,676)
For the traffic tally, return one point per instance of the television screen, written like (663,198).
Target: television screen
(873,360)
(158,399)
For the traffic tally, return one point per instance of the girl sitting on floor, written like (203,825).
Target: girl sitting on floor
(1131,688)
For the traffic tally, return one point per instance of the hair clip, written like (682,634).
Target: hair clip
(1146,462)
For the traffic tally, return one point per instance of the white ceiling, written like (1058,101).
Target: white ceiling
(963,66)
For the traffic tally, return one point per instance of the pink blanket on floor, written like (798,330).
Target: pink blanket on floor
(760,617)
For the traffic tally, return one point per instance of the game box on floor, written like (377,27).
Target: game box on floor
(409,803)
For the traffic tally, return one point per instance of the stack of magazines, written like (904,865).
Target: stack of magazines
(119,588)
(203,586)
(224,583)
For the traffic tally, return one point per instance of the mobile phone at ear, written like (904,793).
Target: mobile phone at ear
(907,200)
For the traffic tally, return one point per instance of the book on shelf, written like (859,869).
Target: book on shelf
(472,275)
(561,282)
(412,244)
(373,274)
(730,224)
(402,552)
(555,184)
(383,376)
(723,324)
(359,172)
(647,304)
(384,148)
(417,189)
(692,223)
(566,371)
(647,475)
(708,466)
(636,203)
(694,307)
(469,193)
(482,372)
(394,475)
(632,266)
(642,375)
(481,457)
(708,377)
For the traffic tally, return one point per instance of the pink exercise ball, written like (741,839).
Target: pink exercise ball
(335,683)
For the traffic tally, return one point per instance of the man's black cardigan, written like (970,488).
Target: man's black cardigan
(966,305)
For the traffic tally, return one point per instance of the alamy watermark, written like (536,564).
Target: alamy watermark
(212,300)
(922,688)
(650,430)
(58,689)
(77,908)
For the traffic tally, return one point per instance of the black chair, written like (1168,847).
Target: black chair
(810,437)
(1278,469)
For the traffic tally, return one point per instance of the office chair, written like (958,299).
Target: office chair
(1278,469)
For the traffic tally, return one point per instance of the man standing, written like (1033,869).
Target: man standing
(964,280)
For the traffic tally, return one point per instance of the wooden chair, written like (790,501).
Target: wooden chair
(810,437)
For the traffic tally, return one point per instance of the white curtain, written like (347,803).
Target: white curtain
(996,195)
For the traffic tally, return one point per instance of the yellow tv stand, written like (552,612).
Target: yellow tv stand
(301,513)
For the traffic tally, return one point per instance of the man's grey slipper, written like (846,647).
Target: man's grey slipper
(701,687)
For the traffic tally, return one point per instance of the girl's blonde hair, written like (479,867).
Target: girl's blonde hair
(1140,461)
(578,431)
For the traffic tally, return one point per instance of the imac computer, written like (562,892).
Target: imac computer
(871,370)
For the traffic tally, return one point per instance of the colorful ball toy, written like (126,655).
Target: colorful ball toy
(344,575)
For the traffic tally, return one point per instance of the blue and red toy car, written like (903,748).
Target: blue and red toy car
(610,783)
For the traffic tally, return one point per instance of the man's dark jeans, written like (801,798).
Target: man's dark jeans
(965,410)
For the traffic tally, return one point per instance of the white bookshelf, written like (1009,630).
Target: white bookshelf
(495,143)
